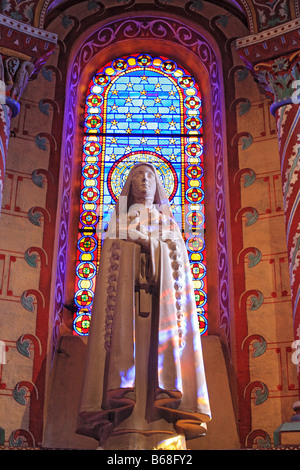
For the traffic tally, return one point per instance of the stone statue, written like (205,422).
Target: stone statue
(144,378)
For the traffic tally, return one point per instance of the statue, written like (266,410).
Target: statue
(144,378)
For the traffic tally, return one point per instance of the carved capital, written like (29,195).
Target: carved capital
(273,57)
(14,76)
(24,50)
(280,78)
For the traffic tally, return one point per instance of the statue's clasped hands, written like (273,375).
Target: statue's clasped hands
(136,232)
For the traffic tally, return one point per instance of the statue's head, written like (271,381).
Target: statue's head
(143,182)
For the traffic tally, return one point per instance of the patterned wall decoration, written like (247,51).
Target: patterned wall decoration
(265,293)
(278,78)
(19,10)
(23,51)
(260,15)
(263,15)
(270,44)
(24,295)
(29,12)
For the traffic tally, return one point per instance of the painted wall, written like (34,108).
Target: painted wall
(24,294)
(264,329)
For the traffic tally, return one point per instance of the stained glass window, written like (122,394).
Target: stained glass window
(140,108)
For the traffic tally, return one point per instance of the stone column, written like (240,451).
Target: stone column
(24,51)
(273,58)
(14,75)
(288,129)
(5,117)
(280,78)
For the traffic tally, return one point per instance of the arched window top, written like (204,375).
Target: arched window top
(140,108)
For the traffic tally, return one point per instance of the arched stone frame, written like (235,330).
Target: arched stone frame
(197,52)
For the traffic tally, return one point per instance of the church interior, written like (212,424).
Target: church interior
(243,60)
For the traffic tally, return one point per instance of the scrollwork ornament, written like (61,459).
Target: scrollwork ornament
(11,65)
(21,438)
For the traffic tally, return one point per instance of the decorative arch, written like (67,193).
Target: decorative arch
(185,45)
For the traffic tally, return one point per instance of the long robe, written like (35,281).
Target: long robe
(175,390)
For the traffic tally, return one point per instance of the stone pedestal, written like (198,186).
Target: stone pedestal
(137,441)
(65,395)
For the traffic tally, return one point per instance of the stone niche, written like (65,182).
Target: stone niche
(65,395)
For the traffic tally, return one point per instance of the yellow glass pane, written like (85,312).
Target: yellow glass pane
(195,257)
(86,256)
